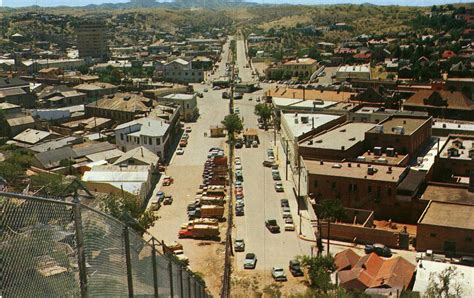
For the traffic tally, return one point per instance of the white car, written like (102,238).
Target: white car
(180,151)
(238,167)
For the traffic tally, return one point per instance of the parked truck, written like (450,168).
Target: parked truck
(212,211)
(211,201)
(200,231)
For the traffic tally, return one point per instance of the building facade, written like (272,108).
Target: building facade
(153,134)
(92,39)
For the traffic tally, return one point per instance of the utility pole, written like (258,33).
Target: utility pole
(298,198)
(287,161)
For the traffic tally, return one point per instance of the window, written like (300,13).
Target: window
(138,140)
(121,136)
(149,141)
(315,183)
(468,239)
(158,141)
(145,140)
(333,185)
(187,106)
(433,235)
(369,189)
(389,191)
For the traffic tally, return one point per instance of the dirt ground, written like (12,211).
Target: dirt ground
(261,284)
(393,226)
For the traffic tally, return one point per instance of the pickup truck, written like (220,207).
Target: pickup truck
(272,226)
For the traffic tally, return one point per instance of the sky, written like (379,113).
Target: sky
(49,3)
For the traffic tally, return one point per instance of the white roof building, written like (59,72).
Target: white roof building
(426,269)
(135,180)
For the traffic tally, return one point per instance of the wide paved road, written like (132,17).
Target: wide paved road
(261,200)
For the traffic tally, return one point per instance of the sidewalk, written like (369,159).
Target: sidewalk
(306,232)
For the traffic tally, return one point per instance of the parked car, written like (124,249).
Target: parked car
(286,212)
(215,88)
(278,274)
(289,224)
(160,196)
(239,211)
(276,176)
(379,249)
(189,129)
(279,186)
(250,261)
(466,260)
(239,245)
(180,151)
(255,144)
(267,163)
(168,200)
(205,90)
(272,226)
(295,268)
(284,203)
(238,145)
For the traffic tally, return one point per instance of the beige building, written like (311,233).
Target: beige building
(92,39)
(301,67)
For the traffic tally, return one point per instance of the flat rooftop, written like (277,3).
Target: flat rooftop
(458,147)
(355,171)
(310,94)
(448,215)
(453,126)
(346,135)
(410,125)
(300,124)
(449,194)
(354,68)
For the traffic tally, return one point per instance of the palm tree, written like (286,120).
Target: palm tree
(330,210)
(265,112)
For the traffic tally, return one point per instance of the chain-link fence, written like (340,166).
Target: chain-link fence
(52,248)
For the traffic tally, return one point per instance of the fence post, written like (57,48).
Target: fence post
(128,261)
(189,285)
(81,256)
(195,288)
(170,271)
(181,288)
(155,274)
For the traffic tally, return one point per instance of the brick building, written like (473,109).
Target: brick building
(341,142)
(456,158)
(362,186)
(446,228)
(399,134)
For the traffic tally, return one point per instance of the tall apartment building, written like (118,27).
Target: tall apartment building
(92,37)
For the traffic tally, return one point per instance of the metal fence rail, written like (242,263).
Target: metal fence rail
(52,248)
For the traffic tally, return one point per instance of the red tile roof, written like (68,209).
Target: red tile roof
(371,271)
(346,259)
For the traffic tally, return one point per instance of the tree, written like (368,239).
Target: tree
(48,184)
(319,271)
(233,124)
(330,210)
(445,284)
(127,208)
(265,112)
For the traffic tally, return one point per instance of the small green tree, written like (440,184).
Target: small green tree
(233,124)
(265,112)
(319,272)
(445,284)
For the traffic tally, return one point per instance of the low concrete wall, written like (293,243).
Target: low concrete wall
(360,234)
